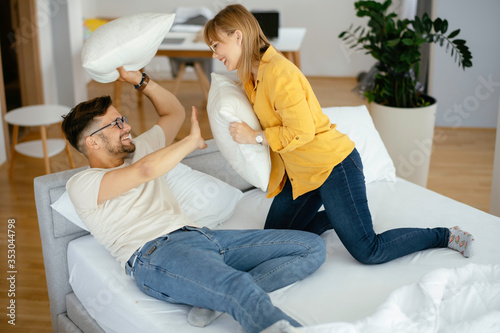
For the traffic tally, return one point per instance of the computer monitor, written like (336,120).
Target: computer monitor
(269,22)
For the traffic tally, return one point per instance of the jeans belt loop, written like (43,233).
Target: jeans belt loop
(135,255)
(133,263)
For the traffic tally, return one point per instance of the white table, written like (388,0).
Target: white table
(190,45)
(185,44)
(42,116)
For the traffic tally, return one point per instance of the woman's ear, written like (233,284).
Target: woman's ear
(239,36)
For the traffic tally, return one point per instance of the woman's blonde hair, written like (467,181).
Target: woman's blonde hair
(254,42)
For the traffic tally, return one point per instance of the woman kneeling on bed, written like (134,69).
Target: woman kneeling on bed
(313,164)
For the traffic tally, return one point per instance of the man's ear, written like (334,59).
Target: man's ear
(91,143)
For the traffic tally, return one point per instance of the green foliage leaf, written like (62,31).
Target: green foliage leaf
(393,42)
(396,45)
(437,24)
(417,25)
(444,26)
(407,41)
(427,22)
(454,34)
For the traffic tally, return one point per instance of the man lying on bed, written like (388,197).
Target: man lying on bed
(127,206)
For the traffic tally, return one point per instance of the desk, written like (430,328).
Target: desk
(288,43)
(183,45)
(38,115)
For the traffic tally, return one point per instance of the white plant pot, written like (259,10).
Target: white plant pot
(408,135)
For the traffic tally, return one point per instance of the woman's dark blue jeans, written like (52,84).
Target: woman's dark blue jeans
(343,195)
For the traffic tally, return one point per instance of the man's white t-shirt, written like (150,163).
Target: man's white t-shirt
(125,223)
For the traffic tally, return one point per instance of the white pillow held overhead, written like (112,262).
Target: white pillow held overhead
(129,41)
(227,103)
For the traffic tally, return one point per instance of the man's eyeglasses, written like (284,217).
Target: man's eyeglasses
(118,122)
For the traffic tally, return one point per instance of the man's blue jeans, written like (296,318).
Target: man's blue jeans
(343,195)
(227,270)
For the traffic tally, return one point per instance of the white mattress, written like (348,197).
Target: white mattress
(342,290)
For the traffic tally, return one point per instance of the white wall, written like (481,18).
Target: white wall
(76,44)
(468,98)
(322,52)
(45,14)
(61,40)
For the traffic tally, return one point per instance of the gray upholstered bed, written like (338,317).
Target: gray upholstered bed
(343,295)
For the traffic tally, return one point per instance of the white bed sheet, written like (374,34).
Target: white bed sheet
(464,299)
(342,290)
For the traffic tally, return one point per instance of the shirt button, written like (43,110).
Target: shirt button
(291,179)
(296,138)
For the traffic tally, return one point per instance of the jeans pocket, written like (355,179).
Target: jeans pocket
(159,295)
(357,164)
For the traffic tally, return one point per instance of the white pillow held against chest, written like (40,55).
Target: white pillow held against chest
(227,103)
(129,41)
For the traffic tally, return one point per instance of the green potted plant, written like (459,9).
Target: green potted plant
(403,115)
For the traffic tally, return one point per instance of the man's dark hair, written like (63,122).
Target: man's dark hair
(79,118)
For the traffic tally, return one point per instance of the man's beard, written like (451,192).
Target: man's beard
(120,150)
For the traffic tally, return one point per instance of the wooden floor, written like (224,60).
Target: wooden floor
(461,168)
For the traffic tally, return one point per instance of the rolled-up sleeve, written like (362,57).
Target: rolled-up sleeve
(288,98)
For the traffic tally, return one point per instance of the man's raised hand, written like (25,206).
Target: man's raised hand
(195,132)
(132,77)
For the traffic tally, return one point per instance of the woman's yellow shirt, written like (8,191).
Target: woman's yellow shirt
(304,144)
